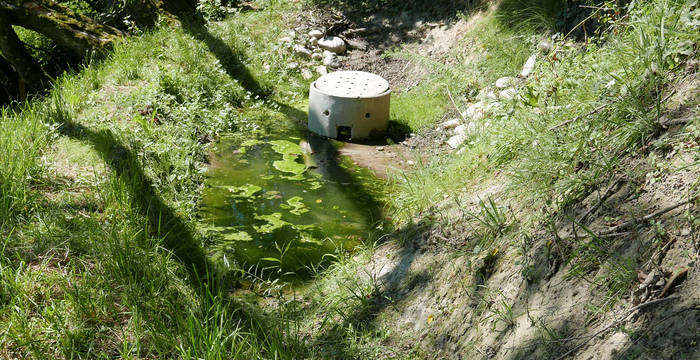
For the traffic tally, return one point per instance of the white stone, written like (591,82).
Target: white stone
(331,60)
(545,46)
(410,162)
(321,70)
(465,129)
(333,44)
(316,56)
(529,66)
(476,111)
(306,74)
(292,66)
(316,34)
(300,50)
(291,33)
(286,39)
(450,124)
(457,140)
(508,94)
(505,82)
(313,41)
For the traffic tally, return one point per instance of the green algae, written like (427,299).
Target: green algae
(295,205)
(265,203)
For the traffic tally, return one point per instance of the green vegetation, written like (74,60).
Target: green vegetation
(105,253)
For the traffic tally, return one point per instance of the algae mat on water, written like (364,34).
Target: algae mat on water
(264,206)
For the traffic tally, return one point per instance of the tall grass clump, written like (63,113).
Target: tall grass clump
(23,138)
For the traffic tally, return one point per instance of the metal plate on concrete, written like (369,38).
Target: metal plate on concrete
(352,84)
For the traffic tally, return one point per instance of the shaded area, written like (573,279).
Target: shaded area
(163,220)
(389,288)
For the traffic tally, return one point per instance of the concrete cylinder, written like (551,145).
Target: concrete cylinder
(349,105)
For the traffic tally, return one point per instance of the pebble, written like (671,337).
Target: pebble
(306,74)
(292,66)
(300,50)
(316,56)
(380,148)
(316,34)
(333,44)
(286,39)
(410,162)
(529,66)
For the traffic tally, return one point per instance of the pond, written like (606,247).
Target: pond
(284,204)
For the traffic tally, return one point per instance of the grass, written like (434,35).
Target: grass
(100,180)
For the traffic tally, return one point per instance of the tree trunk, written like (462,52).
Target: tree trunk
(180,7)
(8,82)
(59,23)
(18,57)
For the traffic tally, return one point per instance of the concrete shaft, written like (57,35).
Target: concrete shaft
(349,100)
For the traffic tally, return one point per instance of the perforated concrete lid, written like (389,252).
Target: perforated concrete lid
(352,84)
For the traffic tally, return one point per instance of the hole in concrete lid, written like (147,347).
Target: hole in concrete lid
(326,112)
(367,115)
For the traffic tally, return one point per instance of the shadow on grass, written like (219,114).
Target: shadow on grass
(162,219)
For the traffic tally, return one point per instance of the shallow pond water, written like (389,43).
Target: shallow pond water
(282,204)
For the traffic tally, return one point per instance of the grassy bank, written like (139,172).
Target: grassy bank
(100,181)
(99,189)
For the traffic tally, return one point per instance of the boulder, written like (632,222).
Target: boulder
(333,44)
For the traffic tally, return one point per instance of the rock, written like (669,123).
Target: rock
(545,46)
(505,82)
(306,74)
(477,111)
(286,39)
(333,44)
(457,140)
(380,148)
(450,124)
(316,56)
(292,66)
(316,34)
(321,70)
(313,41)
(508,94)
(410,162)
(331,60)
(359,45)
(465,129)
(291,33)
(300,50)
(529,66)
